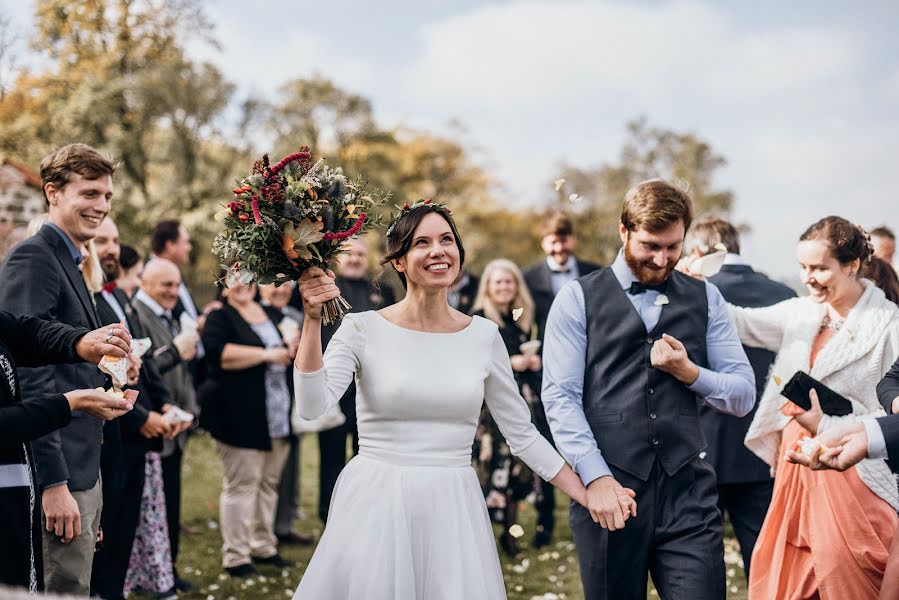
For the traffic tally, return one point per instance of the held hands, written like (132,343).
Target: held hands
(316,288)
(610,504)
(669,355)
(845,446)
(112,339)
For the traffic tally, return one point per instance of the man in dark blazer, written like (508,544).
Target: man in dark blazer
(462,294)
(127,440)
(544,280)
(42,278)
(745,484)
(171,241)
(172,351)
(888,390)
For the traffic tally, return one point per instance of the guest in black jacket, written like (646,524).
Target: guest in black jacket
(32,342)
(888,390)
(544,280)
(745,484)
(503,298)
(246,404)
(127,440)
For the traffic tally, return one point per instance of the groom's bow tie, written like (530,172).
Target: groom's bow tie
(638,288)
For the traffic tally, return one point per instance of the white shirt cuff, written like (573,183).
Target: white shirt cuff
(877,445)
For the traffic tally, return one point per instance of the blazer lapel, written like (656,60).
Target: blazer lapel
(545,280)
(75,279)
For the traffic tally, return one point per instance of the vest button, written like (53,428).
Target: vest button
(652,416)
(651,391)
(649,341)
(655,441)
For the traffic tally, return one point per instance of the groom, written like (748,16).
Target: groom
(631,353)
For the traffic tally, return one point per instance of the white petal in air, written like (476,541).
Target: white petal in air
(516,313)
(558,183)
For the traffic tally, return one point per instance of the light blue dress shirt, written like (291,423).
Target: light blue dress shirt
(728,385)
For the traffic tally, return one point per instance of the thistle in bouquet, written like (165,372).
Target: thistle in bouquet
(292,216)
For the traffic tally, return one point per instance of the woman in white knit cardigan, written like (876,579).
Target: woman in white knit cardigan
(827,534)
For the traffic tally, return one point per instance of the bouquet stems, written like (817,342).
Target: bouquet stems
(334,309)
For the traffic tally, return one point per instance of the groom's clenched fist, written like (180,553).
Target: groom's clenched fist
(610,504)
(670,356)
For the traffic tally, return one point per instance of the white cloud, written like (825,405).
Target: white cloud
(805,113)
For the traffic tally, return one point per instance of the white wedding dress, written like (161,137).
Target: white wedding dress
(407,518)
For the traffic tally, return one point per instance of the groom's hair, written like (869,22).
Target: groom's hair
(655,205)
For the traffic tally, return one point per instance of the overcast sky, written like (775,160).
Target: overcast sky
(802,97)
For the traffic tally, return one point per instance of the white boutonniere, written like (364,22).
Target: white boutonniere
(661,300)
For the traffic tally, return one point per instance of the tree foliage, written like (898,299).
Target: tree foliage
(648,152)
(116,75)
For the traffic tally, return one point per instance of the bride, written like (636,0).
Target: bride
(407,518)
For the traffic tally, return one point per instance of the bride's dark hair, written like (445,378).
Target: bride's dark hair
(400,235)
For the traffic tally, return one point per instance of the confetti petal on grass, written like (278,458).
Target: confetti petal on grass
(516,531)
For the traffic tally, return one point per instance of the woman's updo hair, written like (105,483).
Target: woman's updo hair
(402,232)
(847,241)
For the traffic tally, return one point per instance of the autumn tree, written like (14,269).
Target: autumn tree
(594,195)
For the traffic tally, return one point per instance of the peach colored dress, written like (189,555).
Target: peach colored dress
(826,535)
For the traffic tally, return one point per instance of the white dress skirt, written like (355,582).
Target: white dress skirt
(407,519)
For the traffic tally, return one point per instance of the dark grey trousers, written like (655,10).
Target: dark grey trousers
(677,537)
(746,505)
(289,490)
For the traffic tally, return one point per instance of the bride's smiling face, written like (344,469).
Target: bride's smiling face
(433,258)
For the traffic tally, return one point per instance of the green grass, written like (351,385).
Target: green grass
(530,575)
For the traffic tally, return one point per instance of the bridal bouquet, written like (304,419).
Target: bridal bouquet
(290,216)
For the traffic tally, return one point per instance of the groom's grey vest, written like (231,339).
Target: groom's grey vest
(637,413)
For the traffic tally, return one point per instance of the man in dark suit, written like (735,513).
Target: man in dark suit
(42,278)
(544,280)
(128,439)
(745,484)
(172,351)
(462,294)
(888,390)
(171,241)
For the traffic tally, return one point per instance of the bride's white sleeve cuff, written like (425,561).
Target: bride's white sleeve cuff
(542,458)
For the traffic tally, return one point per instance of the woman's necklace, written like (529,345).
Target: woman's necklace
(831,324)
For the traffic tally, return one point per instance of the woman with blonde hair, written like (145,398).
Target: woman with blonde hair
(827,534)
(503,297)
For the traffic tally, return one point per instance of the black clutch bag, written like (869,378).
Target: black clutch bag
(801,383)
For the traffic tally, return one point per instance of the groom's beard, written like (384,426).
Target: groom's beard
(646,271)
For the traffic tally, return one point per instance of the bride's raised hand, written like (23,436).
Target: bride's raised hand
(316,288)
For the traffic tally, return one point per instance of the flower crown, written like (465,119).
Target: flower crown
(407,208)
